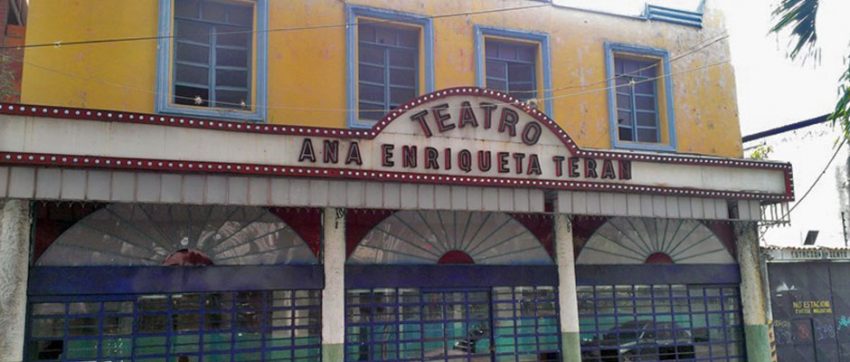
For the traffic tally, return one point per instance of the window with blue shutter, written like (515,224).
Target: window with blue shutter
(212,58)
(640,98)
(388,58)
(511,68)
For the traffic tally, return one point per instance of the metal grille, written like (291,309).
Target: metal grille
(280,325)
(410,324)
(660,322)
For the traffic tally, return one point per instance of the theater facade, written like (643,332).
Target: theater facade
(465,225)
(364,180)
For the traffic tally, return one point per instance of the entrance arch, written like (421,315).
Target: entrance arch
(451,285)
(177,283)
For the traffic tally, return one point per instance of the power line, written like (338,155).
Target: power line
(325,109)
(59,43)
(809,190)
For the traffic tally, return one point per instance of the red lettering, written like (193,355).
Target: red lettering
(533,165)
(431,156)
(331,152)
(502,167)
(307,152)
(590,168)
(354,154)
(559,163)
(488,113)
(467,116)
(420,117)
(518,157)
(387,155)
(408,156)
(442,117)
(508,121)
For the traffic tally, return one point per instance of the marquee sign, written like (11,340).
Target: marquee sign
(464,136)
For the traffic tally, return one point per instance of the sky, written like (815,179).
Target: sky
(773,91)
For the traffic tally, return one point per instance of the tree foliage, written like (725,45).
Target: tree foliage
(800,18)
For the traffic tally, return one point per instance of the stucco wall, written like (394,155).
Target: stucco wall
(307,78)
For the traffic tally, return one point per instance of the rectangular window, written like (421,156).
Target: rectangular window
(212,54)
(637,103)
(510,68)
(388,68)
(212,59)
(516,62)
(640,97)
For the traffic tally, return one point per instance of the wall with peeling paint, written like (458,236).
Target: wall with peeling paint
(307,79)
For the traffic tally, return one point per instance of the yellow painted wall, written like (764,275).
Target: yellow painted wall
(307,76)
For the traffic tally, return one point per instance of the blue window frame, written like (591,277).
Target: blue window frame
(214,65)
(637,102)
(640,98)
(388,58)
(490,41)
(385,53)
(511,68)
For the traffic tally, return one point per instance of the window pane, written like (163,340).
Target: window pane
(372,74)
(370,111)
(232,78)
(385,35)
(520,72)
(646,119)
(624,101)
(645,86)
(647,135)
(399,95)
(233,36)
(624,118)
(186,8)
(192,74)
(372,93)
(241,15)
(188,95)
(231,99)
(645,102)
(403,77)
(496,84)
(497,69)
(231,58)
(214,11)
(371,54)
(408,38)
(365,32)
(403,58)
(193,53)
(192,31)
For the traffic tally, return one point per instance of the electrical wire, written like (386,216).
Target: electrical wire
(809,190)
(325,109)
(59,43)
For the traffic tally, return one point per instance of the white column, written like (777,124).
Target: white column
(753,295)
(15,221)
(333,296)
(567,298)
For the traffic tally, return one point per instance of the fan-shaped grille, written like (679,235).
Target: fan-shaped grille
(131,234)
(638,240)
(424,237)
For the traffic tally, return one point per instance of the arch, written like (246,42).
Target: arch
(427,237)
(623,240)
(147,235)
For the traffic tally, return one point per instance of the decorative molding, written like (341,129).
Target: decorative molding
(13,157)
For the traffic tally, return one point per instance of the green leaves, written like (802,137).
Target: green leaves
(841,113)
(799,16)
